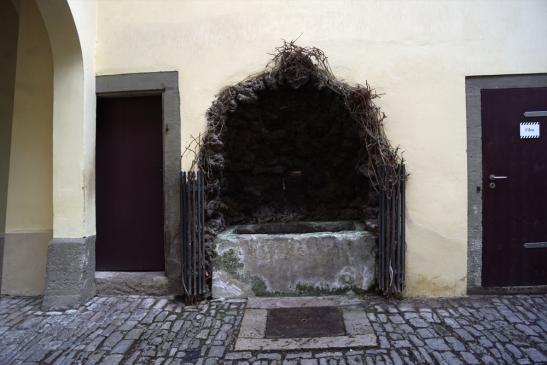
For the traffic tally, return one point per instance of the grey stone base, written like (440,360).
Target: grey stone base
(248,265)
(131,283)
(1,257)
(70,279)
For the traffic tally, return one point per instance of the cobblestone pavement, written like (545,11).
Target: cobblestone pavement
(152,330)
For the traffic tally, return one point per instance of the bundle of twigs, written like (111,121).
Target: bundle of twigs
(295,65)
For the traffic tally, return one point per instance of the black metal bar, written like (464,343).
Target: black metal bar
(194,240)
(184,220)
(399,241)
(391,240)
(384,239)
(196,235)
(184,234)
(190,238)
(200,233)
(192,230)
(396,238)
(380,265)
(403,225)
(187,241)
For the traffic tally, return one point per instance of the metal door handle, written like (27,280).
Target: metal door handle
(494,177)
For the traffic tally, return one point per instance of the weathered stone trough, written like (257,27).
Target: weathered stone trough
(293,258)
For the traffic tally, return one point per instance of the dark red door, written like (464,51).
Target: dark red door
(514,188)
(129,184)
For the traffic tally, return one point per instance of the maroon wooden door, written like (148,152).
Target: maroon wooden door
(515,207)
(129,184)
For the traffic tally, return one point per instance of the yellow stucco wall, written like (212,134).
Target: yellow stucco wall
(416,53)
(29,194)
(9,27)
(71,27)
(84,13)
(29,215)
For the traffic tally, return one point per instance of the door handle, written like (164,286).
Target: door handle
(493,177)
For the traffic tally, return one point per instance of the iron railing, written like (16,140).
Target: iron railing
(391,238)
(193,247)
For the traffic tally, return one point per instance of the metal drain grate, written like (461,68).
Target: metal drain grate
(304,322)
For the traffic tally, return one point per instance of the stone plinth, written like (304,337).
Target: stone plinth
(131,283)
(70,279)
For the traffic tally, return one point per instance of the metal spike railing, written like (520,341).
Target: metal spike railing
(391,239)
(193,247)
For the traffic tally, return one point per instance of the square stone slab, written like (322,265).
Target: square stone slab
(304,322)
(259,332)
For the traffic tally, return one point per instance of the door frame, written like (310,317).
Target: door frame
(473,87)
(166,85)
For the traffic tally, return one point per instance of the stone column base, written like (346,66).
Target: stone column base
(70,279)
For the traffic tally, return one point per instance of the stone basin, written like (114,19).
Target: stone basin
(294,258)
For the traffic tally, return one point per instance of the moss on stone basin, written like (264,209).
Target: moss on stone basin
(259,264)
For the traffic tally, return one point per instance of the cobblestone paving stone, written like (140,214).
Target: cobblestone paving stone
(154,330)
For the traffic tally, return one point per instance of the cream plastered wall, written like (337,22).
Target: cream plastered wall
(29,201)
(9,28)
(71,26)
(84,13)
(416,54)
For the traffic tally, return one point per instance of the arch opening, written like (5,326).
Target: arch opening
(294,143)
(293,154)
